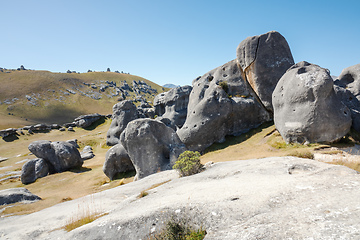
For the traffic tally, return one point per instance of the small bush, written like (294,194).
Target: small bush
(179,230)
(304,154)
(188,163)
(224,86)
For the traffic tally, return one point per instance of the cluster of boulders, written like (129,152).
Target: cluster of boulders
(262,84)
(53,157)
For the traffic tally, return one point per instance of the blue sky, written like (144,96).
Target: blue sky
(171,41)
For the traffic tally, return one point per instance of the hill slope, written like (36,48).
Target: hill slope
(29,96)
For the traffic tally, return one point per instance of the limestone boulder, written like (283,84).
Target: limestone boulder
(263,60)
(14,195)
(117,161)
(34,169)
(221,103)
(87,153)
(151,145)
(306,108)
(123,113)
(347,87)
(61,156)
(173,105)
(85,121)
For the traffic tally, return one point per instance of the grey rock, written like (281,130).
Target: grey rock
(306,108)
(117,161)
(62,129)
(263,60)
(71,129)
(8,132)
(34,169)
(151,145)
(73,142)
(347,87)
(173,105)
(85,121)
(14,195)
(61,156)
(123,113)
(220,104)
(87,153)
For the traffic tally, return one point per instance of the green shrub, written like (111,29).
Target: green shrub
(224,86)
(179,230)
(188,163)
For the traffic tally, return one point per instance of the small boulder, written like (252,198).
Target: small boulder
(34,169)
(85,121)
(306,108)
(263,60)
(87,153)
(151,145)
(61,156)
(14,195)
(123,113)
(117,161)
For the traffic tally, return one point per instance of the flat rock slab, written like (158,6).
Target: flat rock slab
(14,195)
(270,198)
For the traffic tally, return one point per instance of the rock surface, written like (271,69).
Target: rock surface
(87,153)
(348,89)
(123,113)
(117,161)
(220,104)
(270,198)
(263,60)
(173,105)
(14,195)
(61,156)
(306,108)
(152,146)
(34,169)
(85,121)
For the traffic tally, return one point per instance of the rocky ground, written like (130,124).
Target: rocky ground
(270,198)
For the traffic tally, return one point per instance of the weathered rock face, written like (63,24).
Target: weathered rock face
(117,161)
(60,156)
(85,121)
(34,169)
(348,89)
(8,132)
(14,195)
(264,59)
(306,108)
(123,113)
(173,106)
(87,153)
(151,145)
(220,104)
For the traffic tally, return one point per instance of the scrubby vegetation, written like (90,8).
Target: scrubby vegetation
(188,163)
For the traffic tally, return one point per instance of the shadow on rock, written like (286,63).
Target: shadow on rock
(95,124)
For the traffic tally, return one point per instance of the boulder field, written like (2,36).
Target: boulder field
(270,198)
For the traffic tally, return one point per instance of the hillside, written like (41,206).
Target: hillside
(29,96)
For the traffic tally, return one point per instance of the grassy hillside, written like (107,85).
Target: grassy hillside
(29,96)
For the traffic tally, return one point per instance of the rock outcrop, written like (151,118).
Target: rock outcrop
(151,146)
(221,103)
(263,60)
(87,153)
(172,105)
(117,161)
(123,113)
(14,195)
(306,108)
(348,89)
(34,169)
(61,156)
(85,121)
(8,132)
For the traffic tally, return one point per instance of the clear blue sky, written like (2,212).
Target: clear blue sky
(171,41)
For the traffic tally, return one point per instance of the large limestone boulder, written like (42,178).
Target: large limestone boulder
(221,103)
(263,60)
(172,105)
(34,169)
(348,89)
(123,113)
(306,108)
(14,195)
(151,145)
(117,161)
(61,156)
(85,121)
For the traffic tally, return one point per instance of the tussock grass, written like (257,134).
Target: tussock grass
(350,164)
(302,154)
